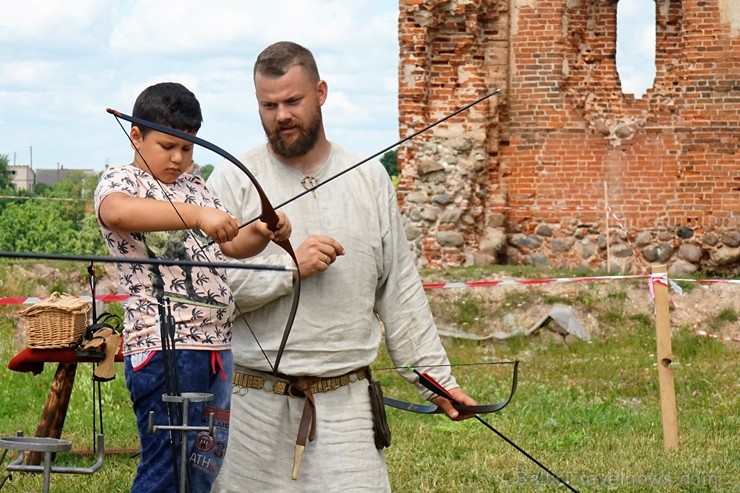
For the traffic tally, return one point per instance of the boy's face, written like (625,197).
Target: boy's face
(163,156)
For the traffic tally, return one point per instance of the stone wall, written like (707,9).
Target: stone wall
(561,168)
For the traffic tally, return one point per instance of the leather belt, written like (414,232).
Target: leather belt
(288,385)
(303,387)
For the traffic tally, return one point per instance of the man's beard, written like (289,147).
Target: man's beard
(306,140)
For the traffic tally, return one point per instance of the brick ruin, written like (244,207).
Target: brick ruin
(561,168)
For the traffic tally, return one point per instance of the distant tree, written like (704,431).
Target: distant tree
(6,177)
(78,188)
(60,219)
(206,170)
(89,239)
(41,188)
(390,162)
(76,185)
(6,182)
(36,226)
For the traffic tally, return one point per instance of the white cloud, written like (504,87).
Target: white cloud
(64,63)
(36,27)
(634,9)
(174,26)
(28,74)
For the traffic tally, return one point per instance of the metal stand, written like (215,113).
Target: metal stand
(185,399)
(48,446)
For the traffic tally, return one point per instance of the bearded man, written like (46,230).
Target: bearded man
(311,427)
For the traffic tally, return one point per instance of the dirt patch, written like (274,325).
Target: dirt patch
(599,305)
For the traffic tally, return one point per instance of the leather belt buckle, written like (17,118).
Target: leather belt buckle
(293,392)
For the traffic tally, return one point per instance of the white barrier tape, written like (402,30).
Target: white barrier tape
(711,281)
(515,282)
(662,278)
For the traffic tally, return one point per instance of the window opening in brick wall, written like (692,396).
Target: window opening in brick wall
(636,45)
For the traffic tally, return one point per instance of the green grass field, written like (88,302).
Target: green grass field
(588,411)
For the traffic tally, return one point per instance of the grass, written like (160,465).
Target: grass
(22,397)
(588,411)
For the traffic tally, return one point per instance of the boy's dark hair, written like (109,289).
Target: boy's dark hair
(278,58)
(169,104)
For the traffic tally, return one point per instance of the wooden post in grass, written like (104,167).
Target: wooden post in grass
(606,220)
(665,373)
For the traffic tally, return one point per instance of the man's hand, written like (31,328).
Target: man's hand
(316,254)
(460,396)
(284,228)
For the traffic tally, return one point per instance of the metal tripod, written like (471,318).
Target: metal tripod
(184,399)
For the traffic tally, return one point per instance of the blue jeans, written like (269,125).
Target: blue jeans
(159,469)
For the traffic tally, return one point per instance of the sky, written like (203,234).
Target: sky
(636,45)
(63,63)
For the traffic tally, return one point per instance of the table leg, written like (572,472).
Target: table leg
(55,408)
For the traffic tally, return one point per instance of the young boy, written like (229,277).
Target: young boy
(138,221)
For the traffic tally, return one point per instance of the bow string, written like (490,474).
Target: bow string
(477,409)
(376,154)
(268,215)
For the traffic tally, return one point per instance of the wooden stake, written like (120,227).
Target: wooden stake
(664,354)
(606,221)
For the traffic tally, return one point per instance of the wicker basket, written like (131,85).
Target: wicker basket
(59,321)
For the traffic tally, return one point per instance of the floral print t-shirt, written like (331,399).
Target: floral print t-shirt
(198,298)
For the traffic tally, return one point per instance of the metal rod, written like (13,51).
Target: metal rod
(147,261)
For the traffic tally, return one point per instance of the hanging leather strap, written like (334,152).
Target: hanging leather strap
(307,426)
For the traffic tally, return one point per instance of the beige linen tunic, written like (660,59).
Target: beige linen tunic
(336,329)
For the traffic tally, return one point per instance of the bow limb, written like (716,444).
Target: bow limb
(432,409)
(435,387)
(268,215)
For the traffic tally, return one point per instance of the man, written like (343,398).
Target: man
(355,269)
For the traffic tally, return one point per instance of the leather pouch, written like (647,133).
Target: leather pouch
(380,423)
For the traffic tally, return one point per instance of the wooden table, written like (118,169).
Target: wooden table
(57,399)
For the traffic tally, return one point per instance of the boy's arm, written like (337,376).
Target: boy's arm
(122,212)
(253,238)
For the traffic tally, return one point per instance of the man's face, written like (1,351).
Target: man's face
(161,155)
(290,111)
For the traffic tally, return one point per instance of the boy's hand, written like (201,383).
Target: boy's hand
(218,225)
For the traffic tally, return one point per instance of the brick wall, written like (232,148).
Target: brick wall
(524,177)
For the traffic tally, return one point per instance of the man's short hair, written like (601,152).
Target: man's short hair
(278,58)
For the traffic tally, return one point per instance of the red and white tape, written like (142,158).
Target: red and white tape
(479,284)
(30,300)
(515,282)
